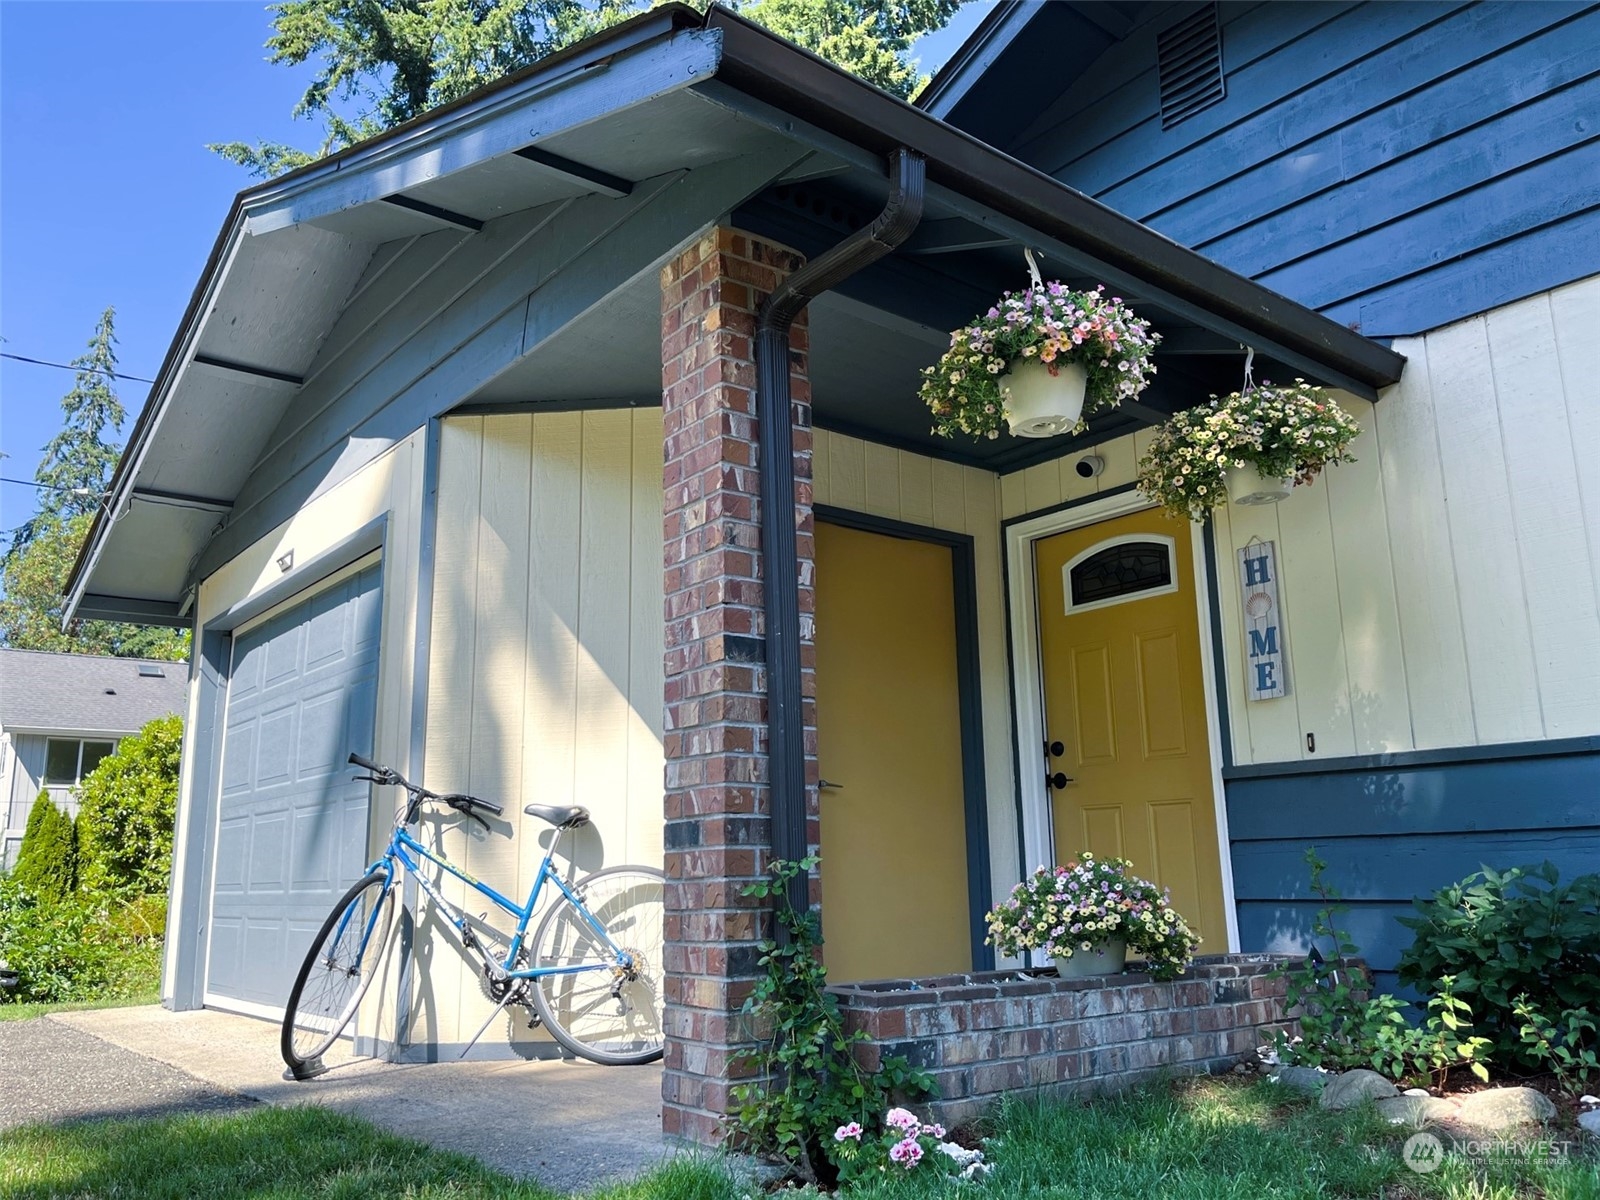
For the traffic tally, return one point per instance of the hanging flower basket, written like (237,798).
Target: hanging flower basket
(1251,447)
(1039,363)
(1247,485)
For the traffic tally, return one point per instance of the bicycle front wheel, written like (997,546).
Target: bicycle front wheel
(339,968)
(602,998)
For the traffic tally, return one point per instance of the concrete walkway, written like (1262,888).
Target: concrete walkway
(569,1125)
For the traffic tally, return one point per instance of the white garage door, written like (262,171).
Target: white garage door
(292,826)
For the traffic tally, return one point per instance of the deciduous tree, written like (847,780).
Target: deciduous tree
(381,62)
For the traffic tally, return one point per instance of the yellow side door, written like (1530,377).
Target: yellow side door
(894,868)
(1125,704)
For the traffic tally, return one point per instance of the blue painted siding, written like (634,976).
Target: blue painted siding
(1392,834)
(1395,165)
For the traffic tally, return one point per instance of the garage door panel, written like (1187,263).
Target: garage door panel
(293,826)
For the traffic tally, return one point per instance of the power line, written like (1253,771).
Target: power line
(39,362)
(53,487)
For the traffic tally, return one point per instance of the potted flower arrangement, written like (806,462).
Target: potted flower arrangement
(1038,363)
(1251,446)
(1087,915)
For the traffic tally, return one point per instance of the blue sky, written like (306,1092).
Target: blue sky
(108,195)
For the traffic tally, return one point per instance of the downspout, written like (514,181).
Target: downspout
(786,771)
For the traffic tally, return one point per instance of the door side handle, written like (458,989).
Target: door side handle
(1057,781)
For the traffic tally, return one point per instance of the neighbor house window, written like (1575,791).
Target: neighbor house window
(67,761)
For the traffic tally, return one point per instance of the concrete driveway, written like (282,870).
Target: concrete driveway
(569,1125)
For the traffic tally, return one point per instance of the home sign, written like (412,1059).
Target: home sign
(1265,677)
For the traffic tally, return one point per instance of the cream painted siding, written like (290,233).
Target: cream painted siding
(1052,484)
(545,677)
(868,478)
(1442,590)
(390,485)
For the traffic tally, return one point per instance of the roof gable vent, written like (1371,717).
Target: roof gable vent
(1189,64)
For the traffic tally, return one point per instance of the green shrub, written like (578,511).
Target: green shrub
(1506,935)
(1342,1025)
(70,949)
(125,821)
(47,863)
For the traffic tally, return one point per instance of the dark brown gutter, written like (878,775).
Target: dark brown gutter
(772,70)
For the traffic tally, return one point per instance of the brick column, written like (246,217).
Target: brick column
(717,816)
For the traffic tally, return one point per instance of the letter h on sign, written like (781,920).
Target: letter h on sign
(1263,625)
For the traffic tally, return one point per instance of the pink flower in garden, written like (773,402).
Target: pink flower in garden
(934,1130)
(899,1118)
(907,1153)
(846,1132)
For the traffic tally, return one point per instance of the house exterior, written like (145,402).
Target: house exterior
(471,454)
(60,714)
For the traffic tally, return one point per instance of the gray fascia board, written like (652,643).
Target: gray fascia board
(137,611)
(504,121)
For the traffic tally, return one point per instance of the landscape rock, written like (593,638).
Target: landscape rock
(1506,1108)
(1590,1121)
(1302,1079)
(1353,1087)
(1416,1092)
(1415,1111)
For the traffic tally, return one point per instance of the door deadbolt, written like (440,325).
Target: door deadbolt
(1056,749)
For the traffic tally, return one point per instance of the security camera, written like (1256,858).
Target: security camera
(1089,466)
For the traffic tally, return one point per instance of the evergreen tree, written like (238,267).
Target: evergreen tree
(391,60)
(47,863)
(75,472)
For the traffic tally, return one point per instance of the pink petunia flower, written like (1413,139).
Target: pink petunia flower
(899,1118)
(907,1153)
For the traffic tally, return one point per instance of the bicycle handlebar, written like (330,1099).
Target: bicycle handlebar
(459,801)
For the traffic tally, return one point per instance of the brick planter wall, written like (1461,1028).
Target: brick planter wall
(991,1033)
(717,833)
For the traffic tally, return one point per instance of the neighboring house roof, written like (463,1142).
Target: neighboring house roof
(83,693)
(670,91)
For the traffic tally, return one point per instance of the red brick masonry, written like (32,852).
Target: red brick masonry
(996,1032)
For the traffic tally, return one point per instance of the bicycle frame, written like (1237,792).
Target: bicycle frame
(402,845)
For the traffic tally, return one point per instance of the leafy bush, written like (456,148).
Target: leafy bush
(812,1086)
(1505,935)
(71,949)
(129,802)
(1342,1025)
(47,863)
(1569,1047)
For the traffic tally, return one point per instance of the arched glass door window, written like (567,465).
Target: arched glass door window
(1125,568)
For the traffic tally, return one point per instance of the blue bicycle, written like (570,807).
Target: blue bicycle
(590,974)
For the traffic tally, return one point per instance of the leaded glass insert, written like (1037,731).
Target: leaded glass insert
(1121,570)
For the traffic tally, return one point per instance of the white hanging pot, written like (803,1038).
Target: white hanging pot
(1107,959)
(1039,404)
(1246,485)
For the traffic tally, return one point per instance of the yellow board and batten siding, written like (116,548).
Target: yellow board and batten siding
(1442,590)
(545,675)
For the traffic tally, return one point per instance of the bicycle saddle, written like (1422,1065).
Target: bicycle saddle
(566,816)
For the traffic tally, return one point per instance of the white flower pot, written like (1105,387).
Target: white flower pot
(1246,485)
(1039,404)
(1102,960)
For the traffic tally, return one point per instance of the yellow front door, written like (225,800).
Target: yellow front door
(1125,708)
(894,866)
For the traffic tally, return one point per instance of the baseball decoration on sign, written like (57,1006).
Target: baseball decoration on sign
(1264,675)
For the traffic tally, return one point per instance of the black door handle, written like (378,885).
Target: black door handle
(1056,781)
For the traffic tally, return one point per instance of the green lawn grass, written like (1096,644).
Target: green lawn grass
(1192,1141)
(14,1011)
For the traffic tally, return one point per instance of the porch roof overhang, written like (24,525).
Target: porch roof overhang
(671,91)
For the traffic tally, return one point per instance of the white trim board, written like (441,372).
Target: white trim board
(1022,618)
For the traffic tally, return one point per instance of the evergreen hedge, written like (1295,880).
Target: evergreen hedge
(47,863)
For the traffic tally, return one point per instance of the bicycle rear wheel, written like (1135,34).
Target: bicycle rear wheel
(339,968)
(599,1004)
